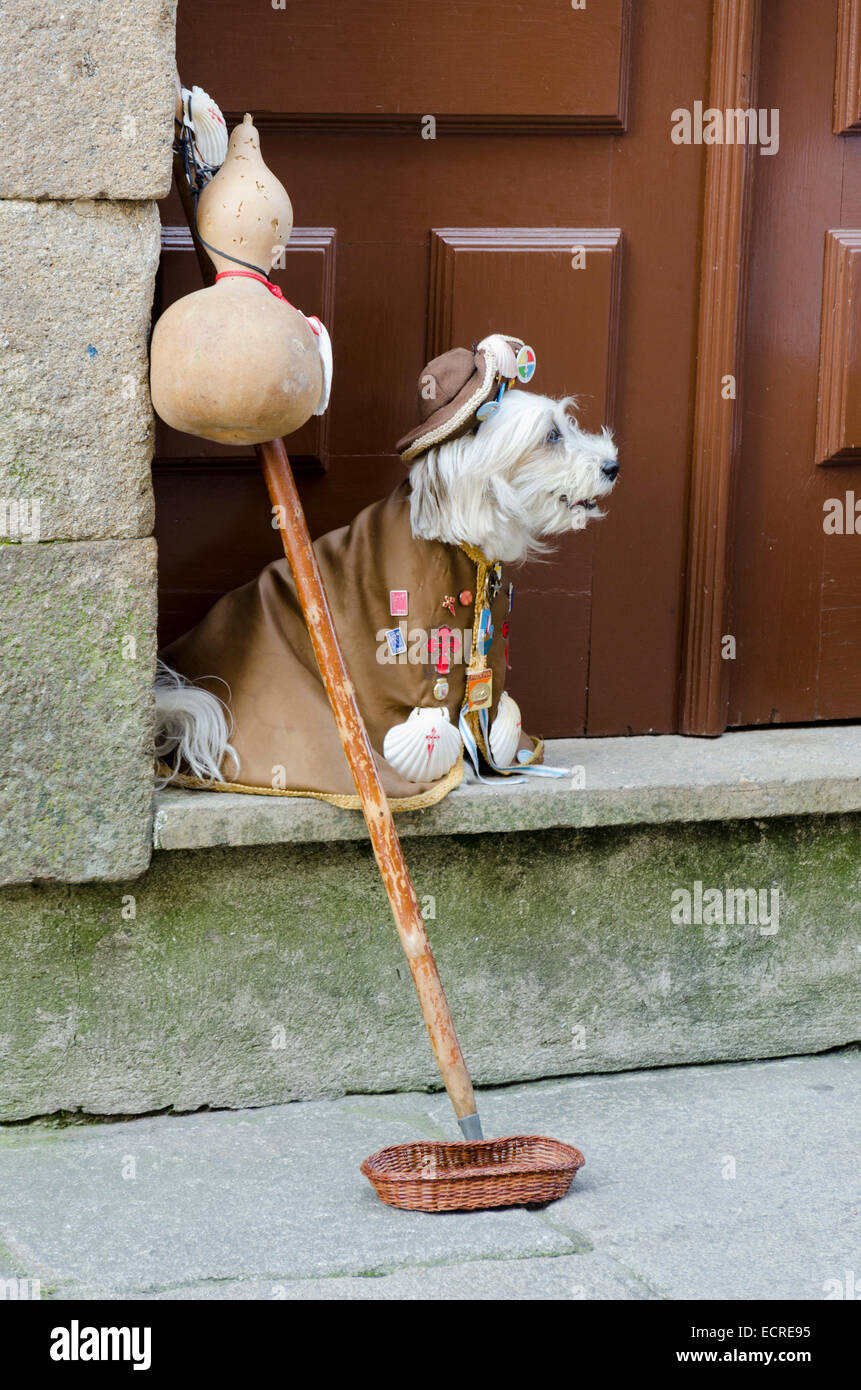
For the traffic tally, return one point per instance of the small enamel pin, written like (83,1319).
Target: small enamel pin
(395,639)
(440,689)
(485,632)
(448,602)
(398,603)
(494,580)
(510,597)
(479,689)
(465,597)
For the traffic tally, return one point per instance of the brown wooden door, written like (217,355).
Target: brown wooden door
(796,584)
(551,128)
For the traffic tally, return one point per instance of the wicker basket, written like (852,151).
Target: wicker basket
(511,1172)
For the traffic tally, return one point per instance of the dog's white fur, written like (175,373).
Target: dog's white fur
(527,473)
(192,726)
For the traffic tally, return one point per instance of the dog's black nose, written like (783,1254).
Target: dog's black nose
(610,470)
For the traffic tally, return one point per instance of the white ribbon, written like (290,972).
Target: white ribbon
(469,743)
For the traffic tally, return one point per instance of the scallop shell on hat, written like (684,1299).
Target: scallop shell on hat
(505,731)
(425,747)
(208,125)
(506,358)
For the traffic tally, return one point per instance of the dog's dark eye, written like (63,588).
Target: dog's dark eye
(554,437)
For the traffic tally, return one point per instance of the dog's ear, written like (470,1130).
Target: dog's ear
(427,516)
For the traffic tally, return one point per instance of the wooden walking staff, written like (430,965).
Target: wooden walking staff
(256,334)
(384,837)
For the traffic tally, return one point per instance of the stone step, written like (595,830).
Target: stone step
(250,975)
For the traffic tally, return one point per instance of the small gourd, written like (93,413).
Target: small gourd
(235,363)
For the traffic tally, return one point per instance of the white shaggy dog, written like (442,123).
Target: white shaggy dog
(526,474)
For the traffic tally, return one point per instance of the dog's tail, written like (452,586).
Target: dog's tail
(192,732)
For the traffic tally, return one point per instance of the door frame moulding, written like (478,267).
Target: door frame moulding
(834,444)
(704,692)
(847,74)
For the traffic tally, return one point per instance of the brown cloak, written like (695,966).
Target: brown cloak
(253,650)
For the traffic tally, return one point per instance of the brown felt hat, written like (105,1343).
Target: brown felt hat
(454,385)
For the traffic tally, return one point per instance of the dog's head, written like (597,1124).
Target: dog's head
(527,473)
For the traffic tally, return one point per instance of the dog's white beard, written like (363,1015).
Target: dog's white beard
(511,483)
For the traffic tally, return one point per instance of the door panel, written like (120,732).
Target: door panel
(483,277)
(491,62)
(796,589)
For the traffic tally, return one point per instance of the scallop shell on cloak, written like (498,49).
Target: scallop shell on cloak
(425,747)
(505,731)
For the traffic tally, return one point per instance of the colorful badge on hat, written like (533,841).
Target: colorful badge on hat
(448,602)
(398,603)
(440,689)
(479,689)
(396,641)
(494,580)
(526,364)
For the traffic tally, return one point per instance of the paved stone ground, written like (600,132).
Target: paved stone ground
(729,1181)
